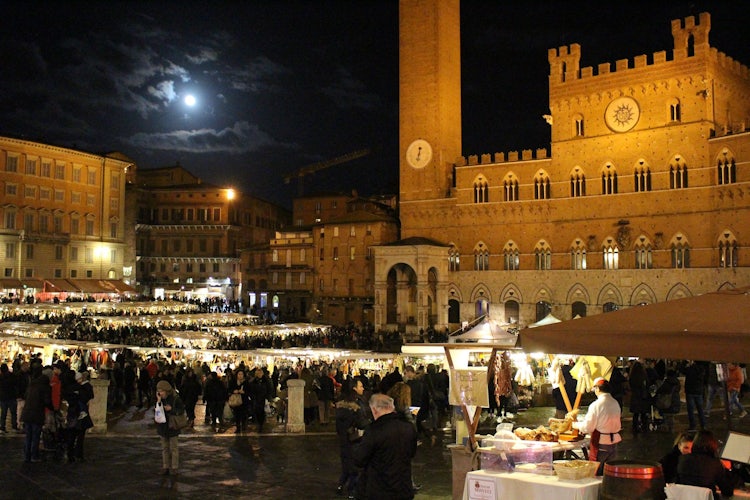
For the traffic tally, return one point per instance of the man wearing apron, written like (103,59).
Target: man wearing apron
(602,421)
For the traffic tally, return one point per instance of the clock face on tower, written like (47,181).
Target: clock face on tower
(622,114)
(419,154)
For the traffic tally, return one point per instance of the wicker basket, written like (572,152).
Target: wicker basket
(575,469)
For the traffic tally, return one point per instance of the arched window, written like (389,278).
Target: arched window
(481,190)
(454,259)
(510,188)
(577,183)
(511,311)
(609,180)
(678,173)
(643,253)
(728,250)
(642,177)
(610,254)
(543,309)
(609,307)
(578,130)
(673,108)
(578,309)
(680,249)
(578,255)
(481,257)
(541,186)
(542,256)
(511,260)
(726,168)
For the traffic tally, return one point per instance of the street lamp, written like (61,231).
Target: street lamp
(100,251)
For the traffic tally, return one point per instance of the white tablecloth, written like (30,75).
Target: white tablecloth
(523,485)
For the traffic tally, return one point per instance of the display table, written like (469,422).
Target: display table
(488,485)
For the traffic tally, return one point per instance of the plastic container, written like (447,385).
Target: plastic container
(508,455)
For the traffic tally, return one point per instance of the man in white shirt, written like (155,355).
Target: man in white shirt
(602,421)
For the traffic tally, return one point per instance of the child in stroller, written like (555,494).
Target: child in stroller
(665,402)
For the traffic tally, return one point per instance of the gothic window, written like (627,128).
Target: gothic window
(481,190)
(643,253)
(673,107)
(578,255)
(610,254)
(481,257)
(510,188)
(578,130)
(609,180)
(577,183)
(680,249)
(642,177)
(542,256)
(727,250)
(511,259)
(454,259)
(678,173)
(541,186)
(726,168)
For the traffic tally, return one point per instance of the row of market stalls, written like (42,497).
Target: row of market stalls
(49,290)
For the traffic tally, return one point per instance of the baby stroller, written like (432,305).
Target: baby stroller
(665,404)
(53,434)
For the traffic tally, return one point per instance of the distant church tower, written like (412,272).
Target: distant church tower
(429,99)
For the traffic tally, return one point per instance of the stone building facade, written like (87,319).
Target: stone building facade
(641,199)
(63,217)
(190,234)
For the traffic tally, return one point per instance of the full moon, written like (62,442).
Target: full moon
(190,100)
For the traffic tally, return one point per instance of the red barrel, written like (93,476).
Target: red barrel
(632,480)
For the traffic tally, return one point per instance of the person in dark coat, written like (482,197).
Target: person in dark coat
(240,385)
(190,391)
(215,396)
(640,398)
(78,396)
(170,452)
(8,395)
(683,445)
(385,454)
(703,468)
(259,394)
(38,399)
(695,387)
(351,420)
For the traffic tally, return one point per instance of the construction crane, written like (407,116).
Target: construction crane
(300,173)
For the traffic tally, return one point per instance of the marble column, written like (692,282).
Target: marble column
(295,418)
(98,405)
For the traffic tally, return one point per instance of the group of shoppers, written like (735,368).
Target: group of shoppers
(54,399)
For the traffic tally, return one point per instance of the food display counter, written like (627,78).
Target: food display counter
(488,485)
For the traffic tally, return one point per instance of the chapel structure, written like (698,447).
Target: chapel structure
(642,197)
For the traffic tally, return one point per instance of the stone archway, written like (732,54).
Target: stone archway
(401,296)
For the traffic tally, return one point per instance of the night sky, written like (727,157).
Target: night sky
(279,85)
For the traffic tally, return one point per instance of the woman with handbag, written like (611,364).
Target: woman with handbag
(78,394)
(239,394)
(167,404)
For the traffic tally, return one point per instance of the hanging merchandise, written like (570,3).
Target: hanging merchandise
(524,374)
(503,376)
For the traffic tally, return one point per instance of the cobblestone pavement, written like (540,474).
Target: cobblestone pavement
(125,462)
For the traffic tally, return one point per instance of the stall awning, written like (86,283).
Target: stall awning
(91,286)
(120,286)
(10,283)
(32,283)
(59,285)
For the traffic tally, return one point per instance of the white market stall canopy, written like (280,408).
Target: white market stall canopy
(488,331)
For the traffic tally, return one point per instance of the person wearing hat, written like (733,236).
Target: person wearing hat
(602,421)
(173,405)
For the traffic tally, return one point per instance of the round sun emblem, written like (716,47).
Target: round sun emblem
(622,114)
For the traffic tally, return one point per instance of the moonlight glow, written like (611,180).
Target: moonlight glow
(190,100)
